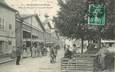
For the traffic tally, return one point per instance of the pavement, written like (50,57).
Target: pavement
(38,64)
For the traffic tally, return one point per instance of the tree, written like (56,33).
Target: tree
(72,18)
(69,17)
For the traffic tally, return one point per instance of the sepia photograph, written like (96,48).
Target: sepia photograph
(57,35)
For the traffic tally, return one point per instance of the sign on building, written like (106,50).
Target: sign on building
(96,14)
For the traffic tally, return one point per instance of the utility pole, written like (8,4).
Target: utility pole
(46,16)
(31,32)
(21,34)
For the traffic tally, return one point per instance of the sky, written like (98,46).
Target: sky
(41,7)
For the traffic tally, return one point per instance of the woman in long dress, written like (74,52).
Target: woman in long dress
(33,51)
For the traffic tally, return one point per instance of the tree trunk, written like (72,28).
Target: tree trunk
(82,42)
(99,42)
(99,37)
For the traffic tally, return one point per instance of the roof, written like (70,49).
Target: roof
(37,17)
(25,16)
(2,3)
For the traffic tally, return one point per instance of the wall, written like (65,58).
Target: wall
(7,35)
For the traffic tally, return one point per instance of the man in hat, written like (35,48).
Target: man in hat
(18,55)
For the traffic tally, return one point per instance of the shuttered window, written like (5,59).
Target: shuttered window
(2,22)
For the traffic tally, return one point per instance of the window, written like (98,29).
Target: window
(2,23)
(9,42)
(10,26)
(1,46)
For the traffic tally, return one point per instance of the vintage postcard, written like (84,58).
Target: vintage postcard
(57,35)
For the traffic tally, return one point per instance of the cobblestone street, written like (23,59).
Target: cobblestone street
(39,64)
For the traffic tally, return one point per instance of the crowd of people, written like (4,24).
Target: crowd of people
(37,50)
(103,59)
(70,51)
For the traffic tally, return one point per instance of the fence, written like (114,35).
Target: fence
(81,63)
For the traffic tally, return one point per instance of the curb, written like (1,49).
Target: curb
(9,60)
(6,61)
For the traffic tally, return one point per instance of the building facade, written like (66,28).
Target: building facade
(29,30)
(7,29)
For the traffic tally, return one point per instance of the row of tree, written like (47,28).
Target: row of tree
(72,18)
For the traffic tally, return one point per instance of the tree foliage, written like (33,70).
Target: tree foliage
(72,19)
